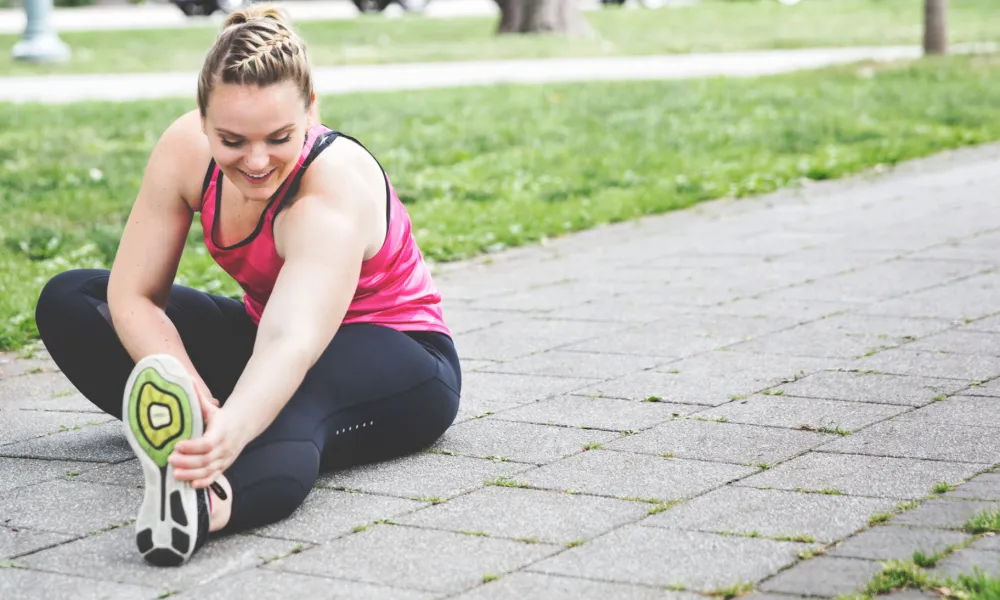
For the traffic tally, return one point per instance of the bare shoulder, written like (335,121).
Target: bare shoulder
(183,153)
(346,182)
(348,176)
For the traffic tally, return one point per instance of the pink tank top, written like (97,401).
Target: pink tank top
(395,288)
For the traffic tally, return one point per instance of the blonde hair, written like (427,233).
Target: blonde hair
(256,46)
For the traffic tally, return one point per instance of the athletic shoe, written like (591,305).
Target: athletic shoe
(160,408)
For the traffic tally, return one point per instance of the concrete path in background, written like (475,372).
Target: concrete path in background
(415,76)
(764,391)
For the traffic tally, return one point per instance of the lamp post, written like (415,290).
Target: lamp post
(40,41)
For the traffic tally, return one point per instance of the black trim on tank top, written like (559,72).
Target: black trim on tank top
(263,215)
(333,135)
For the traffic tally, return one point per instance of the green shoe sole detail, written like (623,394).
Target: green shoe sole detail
(159,415)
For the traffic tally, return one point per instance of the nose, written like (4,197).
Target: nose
(258,158)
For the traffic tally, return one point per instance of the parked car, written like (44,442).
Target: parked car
(207,7)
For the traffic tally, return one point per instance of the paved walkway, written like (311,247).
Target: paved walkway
(413,76)
(161,15)
(747,392)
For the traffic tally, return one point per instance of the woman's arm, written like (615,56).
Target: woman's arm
(150,250)
(322,238)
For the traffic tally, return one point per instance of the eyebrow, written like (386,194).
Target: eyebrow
(272,134)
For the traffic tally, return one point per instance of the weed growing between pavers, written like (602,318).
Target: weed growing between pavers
(732,591)
(911,574)
(474,183)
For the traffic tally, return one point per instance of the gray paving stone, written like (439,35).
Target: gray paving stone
(979,248)
(815,413)
(911,595)
(557,295)
(522,442)
(517,513)
(421,475)
(960,342)
(842,336)
(972,411)
(804,310)
(17,541)
(889,542)
(907,438)
(859,475)
(943,513)
(126,473)
(462,319)
(268,583)
(424,559)
(880,281)
(965,561)
(113,556)
(991,388)
(710,379)
(981,487)
(627,475)
(655,556)
(493,392)
(19,392)
(63,402)
(20,425)
(579,364)
(73,507)
(726,442)
(558,587)
(327,514)
(516,338)
(11,365)
(772,513)
(988,324)
(21,472)
(989,542)
(627,309)
(613,414)
(27,584)
(93,443)
(824,576)
(680,336)
(870,387)
(971,298)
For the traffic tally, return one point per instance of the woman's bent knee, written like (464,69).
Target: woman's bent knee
(59,294)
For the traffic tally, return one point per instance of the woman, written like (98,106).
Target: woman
(339,347)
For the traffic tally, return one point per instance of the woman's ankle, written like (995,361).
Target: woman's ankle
(221,504)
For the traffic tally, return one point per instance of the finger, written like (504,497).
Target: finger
(201,445)
(190,461)
(208,473)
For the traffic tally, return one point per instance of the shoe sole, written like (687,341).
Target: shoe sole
(160,408)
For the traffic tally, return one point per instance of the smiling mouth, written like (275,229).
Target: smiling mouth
(257,177)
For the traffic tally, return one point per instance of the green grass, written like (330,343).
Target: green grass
(713,25)
(483,169)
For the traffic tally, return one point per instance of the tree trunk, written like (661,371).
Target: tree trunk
(935,26)
(542,16)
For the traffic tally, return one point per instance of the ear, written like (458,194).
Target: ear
(313,109)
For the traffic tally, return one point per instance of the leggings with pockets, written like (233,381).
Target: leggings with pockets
(375,393)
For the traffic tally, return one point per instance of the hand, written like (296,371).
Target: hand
(204,396)
(202,460)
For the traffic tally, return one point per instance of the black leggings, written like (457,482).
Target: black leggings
(375,393)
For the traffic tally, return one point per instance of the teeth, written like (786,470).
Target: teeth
(253,176)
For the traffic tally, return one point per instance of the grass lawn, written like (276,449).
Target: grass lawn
(481,169)
(713,25)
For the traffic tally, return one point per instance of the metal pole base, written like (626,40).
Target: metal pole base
(45,47)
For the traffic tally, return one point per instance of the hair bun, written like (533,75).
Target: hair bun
(257,12)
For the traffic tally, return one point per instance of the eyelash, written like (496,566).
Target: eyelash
(229,144)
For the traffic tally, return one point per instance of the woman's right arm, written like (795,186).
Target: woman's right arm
(150,250)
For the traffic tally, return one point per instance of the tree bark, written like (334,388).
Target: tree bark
(542,16)
(935,26)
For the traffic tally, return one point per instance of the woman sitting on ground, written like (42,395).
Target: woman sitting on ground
(339,347)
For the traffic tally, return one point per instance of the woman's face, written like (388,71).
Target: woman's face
(256,134)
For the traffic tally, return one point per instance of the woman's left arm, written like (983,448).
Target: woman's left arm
(323,245)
